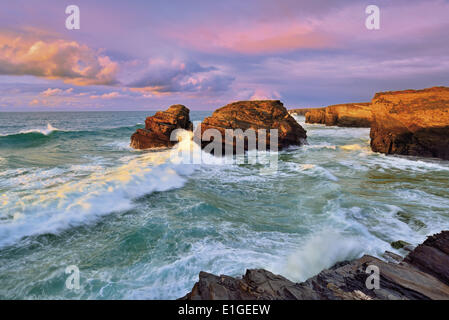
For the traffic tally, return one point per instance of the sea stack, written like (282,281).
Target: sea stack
(342,115)
(411,122)
(159,127)
(255,115)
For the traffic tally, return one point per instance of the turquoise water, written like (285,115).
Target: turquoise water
(140,226)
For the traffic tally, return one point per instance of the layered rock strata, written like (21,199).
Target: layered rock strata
(422,275)
(411,122)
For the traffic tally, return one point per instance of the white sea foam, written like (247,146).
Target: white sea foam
(321,251)
(74,203)
(120,145)
(317,211)
(319,146)
(23,179)
(45,131)
(315,170)
(409,163)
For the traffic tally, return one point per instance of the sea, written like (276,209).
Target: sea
(142,225)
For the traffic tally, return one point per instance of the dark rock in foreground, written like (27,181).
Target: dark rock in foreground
(411,122)
(159,127)
(255,115)
(342,115)
(423,274)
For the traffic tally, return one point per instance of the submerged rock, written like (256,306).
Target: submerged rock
(411,122)
(423,274)
(399,244)
(159,127)
(342,115)
(263,114)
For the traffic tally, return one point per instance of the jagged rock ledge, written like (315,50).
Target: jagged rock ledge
(422,275)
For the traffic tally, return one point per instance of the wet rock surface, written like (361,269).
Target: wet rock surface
(423,275)
(159,127)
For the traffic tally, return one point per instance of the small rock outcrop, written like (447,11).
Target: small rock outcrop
(342,115)
(159,127)
(300,111)
(263,114)
(316,116)
(422,275)
(411,122)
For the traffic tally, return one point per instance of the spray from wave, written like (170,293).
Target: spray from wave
(320,252)
(75,203)
(45,131)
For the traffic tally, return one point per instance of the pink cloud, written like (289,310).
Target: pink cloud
(265,94)
(254,37)
(56,92)
(55,59)
(34,102)
(110,95)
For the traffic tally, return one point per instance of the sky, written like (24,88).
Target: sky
(148,55)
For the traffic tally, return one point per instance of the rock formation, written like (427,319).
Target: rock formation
(159,127)
(423,274)
(301,112)
(342,115)
(411,122)
(263,114)
(317,116)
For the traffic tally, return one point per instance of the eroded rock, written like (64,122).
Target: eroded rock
(159,127)
(300,111)
(411,122)
(342,115)
(255,115)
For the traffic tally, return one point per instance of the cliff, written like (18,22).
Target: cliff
(411,122)
(342,115)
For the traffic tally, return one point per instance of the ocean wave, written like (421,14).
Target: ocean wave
(75,203)
(320,252)
(45,131)
(39,136)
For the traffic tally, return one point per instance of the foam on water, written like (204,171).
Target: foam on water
(330,200)
(59,205)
